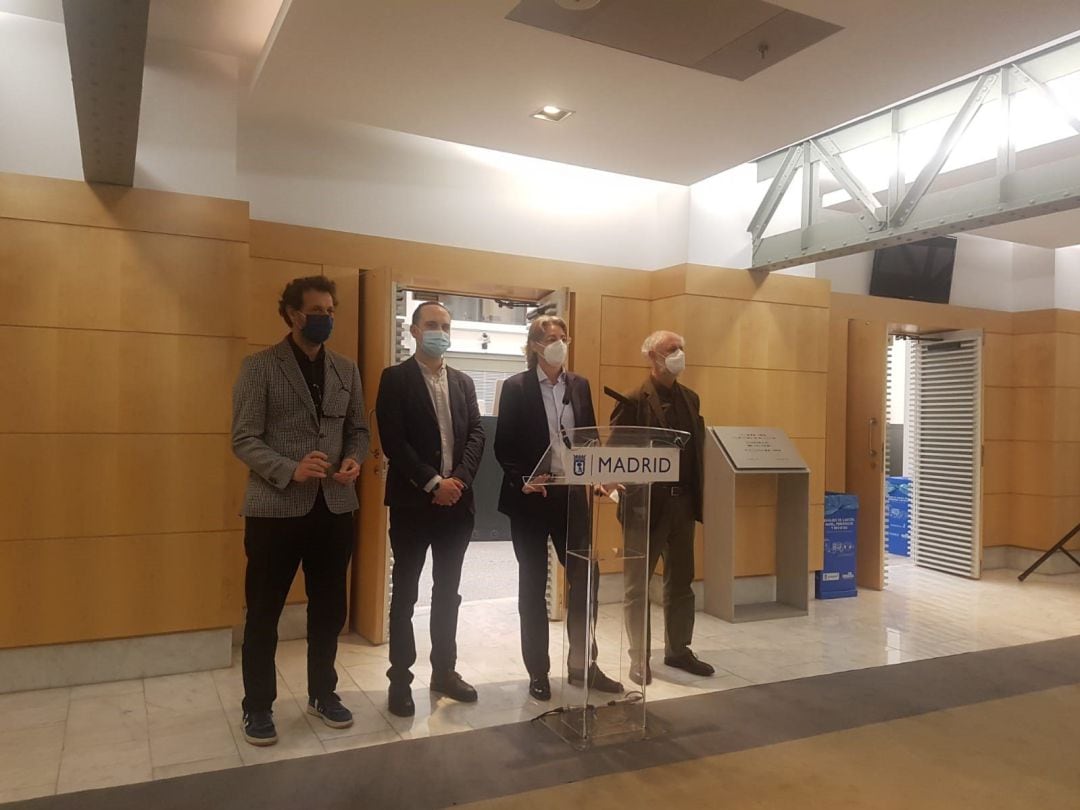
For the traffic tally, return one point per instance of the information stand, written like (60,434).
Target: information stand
(732,453)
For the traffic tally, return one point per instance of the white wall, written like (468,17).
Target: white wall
(187,122)
(38,133)
(983,273)
(1067,278)
(374,181)
(720,209)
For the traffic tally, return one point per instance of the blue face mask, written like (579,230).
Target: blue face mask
(435,342)
(317,328)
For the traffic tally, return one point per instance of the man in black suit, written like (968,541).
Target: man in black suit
(429,423)
(662,401)
(540,407)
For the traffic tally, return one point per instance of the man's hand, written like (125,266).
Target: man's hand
(609,491)
(448,492)
(536,485)
(313,465)
(349,472)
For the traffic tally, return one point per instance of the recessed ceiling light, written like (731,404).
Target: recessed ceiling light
(549,112)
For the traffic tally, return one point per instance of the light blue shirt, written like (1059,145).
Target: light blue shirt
(560,415)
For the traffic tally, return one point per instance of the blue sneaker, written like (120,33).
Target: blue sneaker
(259,728)
(331,710)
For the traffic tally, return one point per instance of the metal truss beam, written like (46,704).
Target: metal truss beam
(1000,189)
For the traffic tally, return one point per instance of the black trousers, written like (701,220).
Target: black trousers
(529,531)
(447,530)
(322,542)
(671,536)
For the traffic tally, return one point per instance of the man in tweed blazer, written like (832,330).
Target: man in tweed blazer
(299,425)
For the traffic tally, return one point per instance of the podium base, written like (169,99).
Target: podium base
(586,726)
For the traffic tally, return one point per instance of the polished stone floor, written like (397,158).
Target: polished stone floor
(71,739)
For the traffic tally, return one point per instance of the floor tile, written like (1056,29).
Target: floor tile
(104,766)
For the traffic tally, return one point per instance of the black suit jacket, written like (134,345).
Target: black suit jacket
(409,431)
(521,436)
(642,408)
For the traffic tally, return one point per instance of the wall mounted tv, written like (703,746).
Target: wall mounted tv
(917,271)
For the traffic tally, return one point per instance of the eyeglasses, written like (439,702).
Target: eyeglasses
(550,341)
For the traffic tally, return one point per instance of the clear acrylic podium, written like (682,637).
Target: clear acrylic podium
(606,572)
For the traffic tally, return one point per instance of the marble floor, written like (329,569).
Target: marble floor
(63,740)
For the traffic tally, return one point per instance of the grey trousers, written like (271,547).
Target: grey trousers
(671,536)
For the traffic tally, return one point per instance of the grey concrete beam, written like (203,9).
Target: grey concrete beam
(107,49)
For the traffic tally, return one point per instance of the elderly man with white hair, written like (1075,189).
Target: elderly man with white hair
(662,401)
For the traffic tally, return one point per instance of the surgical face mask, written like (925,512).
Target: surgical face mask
(675,362)
(435,342)
(555,353)
(317,327)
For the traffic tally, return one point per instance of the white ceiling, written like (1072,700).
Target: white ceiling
(460,72)
(236,27)
(1061,229)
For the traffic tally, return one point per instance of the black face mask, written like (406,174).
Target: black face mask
(317,328)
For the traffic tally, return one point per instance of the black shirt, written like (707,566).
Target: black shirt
(314,371)
(678,417)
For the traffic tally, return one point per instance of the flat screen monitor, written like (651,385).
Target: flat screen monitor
(918,271)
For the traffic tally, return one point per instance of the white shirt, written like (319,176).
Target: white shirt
(560,415)
(439,389)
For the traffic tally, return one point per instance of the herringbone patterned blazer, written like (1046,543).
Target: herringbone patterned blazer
(275,424)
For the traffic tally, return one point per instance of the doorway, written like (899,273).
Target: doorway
(386,341)
(933,450)
(486,343)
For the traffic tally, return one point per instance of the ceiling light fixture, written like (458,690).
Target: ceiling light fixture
(549,112)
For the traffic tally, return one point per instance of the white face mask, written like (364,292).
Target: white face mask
(555,353)
(675,362)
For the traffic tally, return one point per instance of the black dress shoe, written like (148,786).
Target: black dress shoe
(597,680)
(401,702)
(540,687)
(453,686)
(690,663)
(635,674)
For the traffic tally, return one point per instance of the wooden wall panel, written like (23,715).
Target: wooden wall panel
(998,410)
(53,591)
(1067,414)
(997,519)
(1067,360)
(752,285)
(99,205)
(82,381)
(997,360)
(1033,360)
(449,269)
(346,337)
(95,278)
(920,316)
(625,323)
(794,401)
(266,280)
(997,469)
(1033,414)
(79,485)
(836,405)
(754,334)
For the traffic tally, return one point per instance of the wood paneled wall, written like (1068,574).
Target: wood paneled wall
(122,330)
(757,351)
(1032,468)
(1031,411)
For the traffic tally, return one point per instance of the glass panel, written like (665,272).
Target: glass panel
(607,578)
